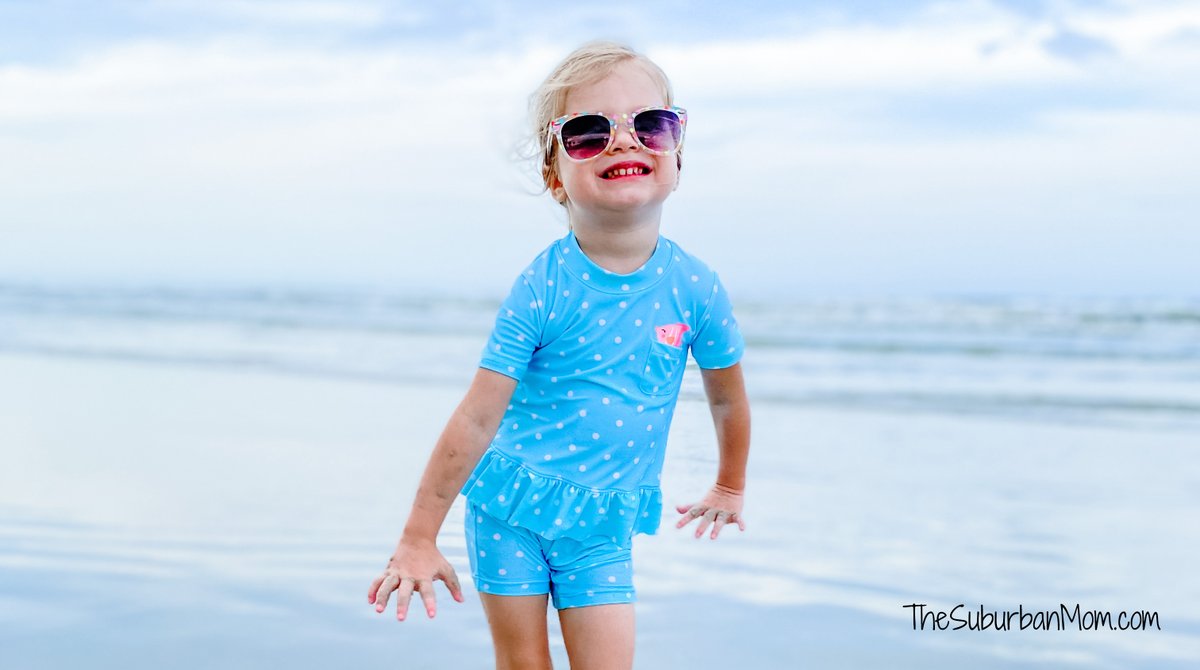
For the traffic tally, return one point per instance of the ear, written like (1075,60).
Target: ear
(555,186)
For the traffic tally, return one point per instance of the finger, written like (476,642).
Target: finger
(450,577)
(682,509)
(704,521)
(385,590)
(741,524)
(719,524)
(425,587)
(403,596)
(374,587)
(689,515)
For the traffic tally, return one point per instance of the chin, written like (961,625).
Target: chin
(629,204)
(633,198)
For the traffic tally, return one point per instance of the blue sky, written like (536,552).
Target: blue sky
(834,148)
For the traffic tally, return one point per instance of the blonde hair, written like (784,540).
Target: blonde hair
(588,64)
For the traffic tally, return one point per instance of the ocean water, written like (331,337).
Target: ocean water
(212,477)
(1111,360)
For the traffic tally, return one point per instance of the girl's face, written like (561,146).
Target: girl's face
(589,186)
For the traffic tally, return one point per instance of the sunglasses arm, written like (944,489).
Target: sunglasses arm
(548,148)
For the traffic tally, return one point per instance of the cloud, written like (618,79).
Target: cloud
(959,112)
(962,45)
(324,12)
(1029,8)
(941,47)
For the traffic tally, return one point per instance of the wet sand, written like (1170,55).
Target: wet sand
(164,515)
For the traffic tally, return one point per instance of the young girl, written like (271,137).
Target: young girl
(558,445)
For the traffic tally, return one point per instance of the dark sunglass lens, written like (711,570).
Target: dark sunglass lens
(586,136)
(658,129)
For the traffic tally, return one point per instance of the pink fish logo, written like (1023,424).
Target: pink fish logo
(672,333)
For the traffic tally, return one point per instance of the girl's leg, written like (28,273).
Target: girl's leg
(519,634)
(599,637)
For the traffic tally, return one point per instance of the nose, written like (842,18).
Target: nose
(625,140)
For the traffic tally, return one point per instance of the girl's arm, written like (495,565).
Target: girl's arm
(726,393)
(467,435)
(416,563)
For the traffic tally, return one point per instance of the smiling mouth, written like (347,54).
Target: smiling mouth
(618,173)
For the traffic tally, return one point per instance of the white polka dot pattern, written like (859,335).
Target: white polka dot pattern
(617,351)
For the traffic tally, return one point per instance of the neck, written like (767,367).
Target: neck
(620,246)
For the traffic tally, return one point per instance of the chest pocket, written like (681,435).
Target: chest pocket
(663,364)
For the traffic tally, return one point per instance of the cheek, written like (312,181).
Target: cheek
(668,169)
(571,177)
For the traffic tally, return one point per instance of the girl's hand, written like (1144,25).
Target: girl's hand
(721,505)
(413,567)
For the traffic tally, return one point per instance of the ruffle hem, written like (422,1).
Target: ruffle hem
(555,508)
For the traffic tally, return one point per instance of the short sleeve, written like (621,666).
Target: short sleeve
(516,333)
(718,341)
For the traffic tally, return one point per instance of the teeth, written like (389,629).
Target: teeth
(625,172)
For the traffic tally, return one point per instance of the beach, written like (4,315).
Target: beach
(192,512)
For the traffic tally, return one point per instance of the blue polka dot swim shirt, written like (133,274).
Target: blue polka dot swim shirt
(598,357)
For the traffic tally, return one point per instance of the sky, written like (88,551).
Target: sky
(866,148)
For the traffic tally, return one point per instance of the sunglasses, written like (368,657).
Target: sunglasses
(585,135)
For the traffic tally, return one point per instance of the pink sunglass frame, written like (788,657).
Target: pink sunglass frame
(556,126)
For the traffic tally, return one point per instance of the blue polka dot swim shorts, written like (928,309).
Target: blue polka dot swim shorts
(512,561)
